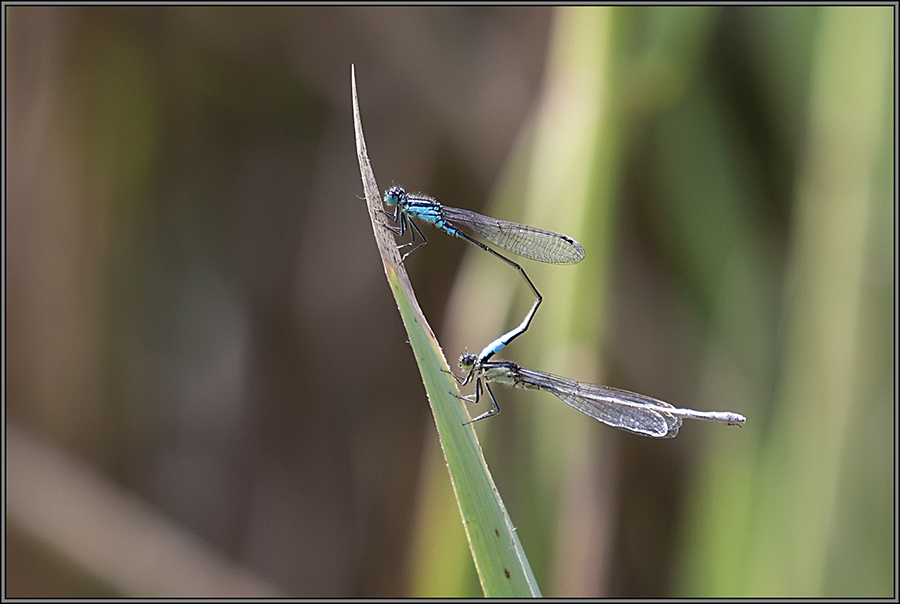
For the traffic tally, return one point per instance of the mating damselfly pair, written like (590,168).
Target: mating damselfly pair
(622,409)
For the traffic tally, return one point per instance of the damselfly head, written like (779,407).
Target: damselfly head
(393,195)
(467,361)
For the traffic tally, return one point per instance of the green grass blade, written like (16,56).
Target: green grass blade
(500,561)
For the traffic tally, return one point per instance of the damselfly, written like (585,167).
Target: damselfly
(526,241)
(629,411)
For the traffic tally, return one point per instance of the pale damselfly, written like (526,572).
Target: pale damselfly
(622,409)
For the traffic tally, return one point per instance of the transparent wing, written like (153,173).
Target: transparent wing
(617,408)
(648,402)
(522,240)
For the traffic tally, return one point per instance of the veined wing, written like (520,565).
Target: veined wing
(522,240)
(618,408)
(725,417)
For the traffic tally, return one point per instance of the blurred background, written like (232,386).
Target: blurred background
(208,386)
